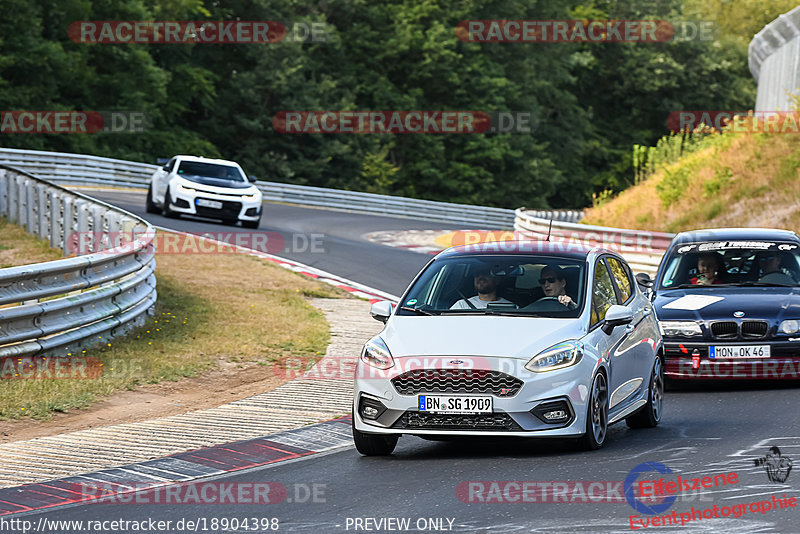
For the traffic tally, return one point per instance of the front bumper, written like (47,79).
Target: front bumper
(511,415)
(184,200)
(690,360)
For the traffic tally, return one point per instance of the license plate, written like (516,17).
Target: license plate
(203,203)
(454,404)
(720,352)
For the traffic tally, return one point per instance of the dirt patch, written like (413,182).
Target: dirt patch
(232,381)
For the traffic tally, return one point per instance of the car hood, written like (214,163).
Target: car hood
(215,182)
(755,302)
(482,335)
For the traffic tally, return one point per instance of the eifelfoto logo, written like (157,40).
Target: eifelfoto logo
(776,465)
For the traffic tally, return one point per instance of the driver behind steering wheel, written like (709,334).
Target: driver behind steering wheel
(486,286)
(554,284)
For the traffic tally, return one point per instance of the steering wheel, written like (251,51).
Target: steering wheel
(546,304)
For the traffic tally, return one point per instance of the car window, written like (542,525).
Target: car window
(514,284)
(740,263)
(169,164)
(622,278)
(211,170)
(603,295)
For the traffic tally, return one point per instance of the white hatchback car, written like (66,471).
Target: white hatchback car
(559,341)
(203,187)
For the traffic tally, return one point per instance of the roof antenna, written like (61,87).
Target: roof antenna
(549,229)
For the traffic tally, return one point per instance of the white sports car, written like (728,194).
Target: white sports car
(203,187)
(532,339)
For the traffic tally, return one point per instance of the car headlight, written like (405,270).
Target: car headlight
(556,357)
(180,188)
(376,354)
(789,326)
(253,196)
(679,328)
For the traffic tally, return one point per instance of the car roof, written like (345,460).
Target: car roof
(730,234)
(561,249)
(208,160)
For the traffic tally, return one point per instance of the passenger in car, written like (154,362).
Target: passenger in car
(708,265)
(771,271)
(554,285)
(486,286)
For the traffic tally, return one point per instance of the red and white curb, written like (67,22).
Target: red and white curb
(119,484)
(421,241)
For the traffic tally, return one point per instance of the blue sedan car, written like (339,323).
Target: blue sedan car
(728,304)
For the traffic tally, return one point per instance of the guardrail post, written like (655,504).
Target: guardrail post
(3,192)
(30,204)
(68,224)
(56,226)
(43,211)
(13,199)
(83,221)
(98,229)
(114,236)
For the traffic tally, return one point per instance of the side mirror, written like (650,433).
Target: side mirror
(252,179)
(616,316)
(381,311)
(165,168)
(644,280)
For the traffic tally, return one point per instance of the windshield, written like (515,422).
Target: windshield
(542,286)
(211,170)
(742,263)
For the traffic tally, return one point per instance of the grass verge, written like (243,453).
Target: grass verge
(17,247)
(743,180)
(213,311)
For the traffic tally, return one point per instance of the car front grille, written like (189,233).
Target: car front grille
(724,329)
(745,330)
(429,421)
(229,210)
(237,194)
(457,381)
(754,329)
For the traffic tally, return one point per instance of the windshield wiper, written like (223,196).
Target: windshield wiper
(683,286)
(417,310)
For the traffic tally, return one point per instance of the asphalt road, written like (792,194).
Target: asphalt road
(325,239)
(707,430)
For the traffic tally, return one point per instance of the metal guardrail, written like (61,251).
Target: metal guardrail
(77,169)
(59,307)
(774,59)
(643,250)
